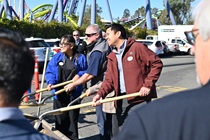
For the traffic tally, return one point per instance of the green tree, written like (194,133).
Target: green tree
(163,18)
(181,10)
(126,13)
(140,12)
(154,10)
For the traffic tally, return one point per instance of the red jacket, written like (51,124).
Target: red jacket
(141,67)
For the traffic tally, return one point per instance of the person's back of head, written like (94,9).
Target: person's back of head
(16,67)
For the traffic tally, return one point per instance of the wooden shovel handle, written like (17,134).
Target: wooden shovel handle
(60,91)
(64,109)
(83,95)
(101,101)
(55,86)
(45,89)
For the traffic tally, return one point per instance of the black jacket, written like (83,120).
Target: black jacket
(81,47)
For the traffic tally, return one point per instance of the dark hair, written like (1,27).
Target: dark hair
(16,66)
(117,27)
(69,38)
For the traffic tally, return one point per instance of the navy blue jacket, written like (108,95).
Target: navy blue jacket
(181,116)
(20,130)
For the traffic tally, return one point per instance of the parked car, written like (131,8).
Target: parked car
(38,46)
(173,47)
(155,45)
(184,46)
(151,37)
(54,44)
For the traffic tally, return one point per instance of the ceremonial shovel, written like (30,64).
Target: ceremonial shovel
(68,108)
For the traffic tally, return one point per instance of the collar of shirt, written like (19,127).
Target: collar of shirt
(10,113)
(77,42)
(122,47)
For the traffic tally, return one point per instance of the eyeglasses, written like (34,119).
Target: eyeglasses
(191,36)
(75,35)
(63,44)
(89,35)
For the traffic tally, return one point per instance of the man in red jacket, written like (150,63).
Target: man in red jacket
(132,67)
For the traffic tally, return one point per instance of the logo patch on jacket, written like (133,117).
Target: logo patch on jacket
(130,58)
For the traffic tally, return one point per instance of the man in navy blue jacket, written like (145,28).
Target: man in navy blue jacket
(184,115)
(16,72)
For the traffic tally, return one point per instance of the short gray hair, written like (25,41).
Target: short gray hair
(201,16)
(76,31)
(96,28)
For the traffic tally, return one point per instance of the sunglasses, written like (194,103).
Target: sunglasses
(191,36)
(75,35)
(89,35)
(63,44)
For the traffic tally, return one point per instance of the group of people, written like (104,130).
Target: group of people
(80,66)
(115,66)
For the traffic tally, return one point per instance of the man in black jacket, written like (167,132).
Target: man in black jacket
(184,115)
(80,44)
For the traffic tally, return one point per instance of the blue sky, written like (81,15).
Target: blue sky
(117,6)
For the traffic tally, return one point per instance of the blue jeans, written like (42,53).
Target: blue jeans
(102,123)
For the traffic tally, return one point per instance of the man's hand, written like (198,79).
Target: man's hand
(70,87)
(49,87)
(96,100)
(88,92)
(144,91)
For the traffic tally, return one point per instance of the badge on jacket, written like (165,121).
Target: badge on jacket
(60,63)
(130,58)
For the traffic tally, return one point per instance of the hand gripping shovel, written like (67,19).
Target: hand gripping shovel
(45,89)
(68,108)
